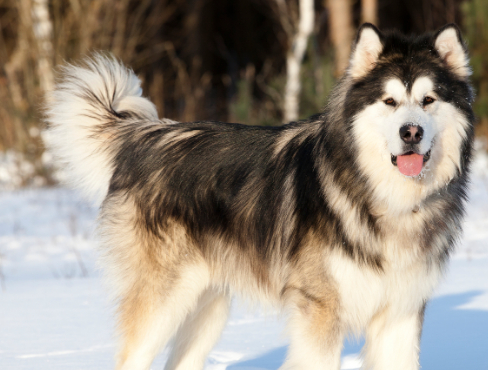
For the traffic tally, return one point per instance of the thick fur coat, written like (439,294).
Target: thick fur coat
(346,219)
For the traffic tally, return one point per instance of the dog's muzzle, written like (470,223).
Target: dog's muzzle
(411,162)
(411,134)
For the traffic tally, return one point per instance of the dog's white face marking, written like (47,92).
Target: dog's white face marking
(422,87)
(408,110)
(377,132)
(396,90)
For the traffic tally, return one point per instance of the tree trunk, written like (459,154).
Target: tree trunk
(294,59)
(369,11)
(42,29)
(340,19)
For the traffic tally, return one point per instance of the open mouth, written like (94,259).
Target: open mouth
(410,163)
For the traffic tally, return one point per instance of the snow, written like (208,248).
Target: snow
(16,170)
(56,314)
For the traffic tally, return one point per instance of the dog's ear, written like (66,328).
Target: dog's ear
(452,50)
(366,50)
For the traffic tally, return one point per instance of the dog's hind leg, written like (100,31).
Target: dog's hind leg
(157,278)
(200,331)
(149,317)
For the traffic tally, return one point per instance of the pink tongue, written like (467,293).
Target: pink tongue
(410,164)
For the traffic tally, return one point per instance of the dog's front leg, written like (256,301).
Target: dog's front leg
(315,333)
(393,341)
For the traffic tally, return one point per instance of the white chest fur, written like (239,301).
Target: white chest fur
(365,292)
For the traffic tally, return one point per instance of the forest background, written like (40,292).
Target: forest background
(260,62)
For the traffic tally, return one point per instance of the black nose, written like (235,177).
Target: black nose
(411,134)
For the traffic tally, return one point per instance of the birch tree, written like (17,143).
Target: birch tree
(42,29)
(294,58)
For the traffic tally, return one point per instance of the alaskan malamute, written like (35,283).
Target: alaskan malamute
(345,220)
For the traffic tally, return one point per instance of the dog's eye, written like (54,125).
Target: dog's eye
(428,100)
(390,101)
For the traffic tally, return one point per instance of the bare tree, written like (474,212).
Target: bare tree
(341,33)
(42,30)
(191,59)
(369,11)
(294,58)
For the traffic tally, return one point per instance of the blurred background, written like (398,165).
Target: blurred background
(260,62)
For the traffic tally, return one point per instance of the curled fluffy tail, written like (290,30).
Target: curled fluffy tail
(88,108)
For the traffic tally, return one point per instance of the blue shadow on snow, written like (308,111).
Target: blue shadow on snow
(452,339)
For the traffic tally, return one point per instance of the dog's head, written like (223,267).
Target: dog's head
(409,109)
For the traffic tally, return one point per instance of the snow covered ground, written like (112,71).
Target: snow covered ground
(55,314)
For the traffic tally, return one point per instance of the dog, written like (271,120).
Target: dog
(344,220)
